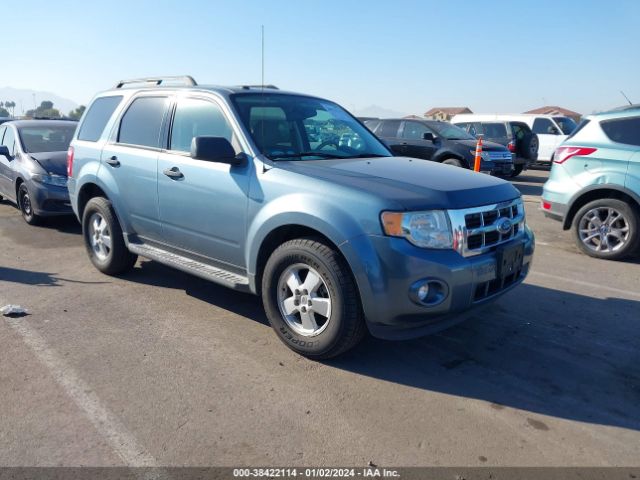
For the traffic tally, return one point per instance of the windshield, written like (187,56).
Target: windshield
(566,124)
(55,138)
(294,127)
(449,131)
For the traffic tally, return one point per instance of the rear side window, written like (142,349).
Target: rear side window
(494,130)
(388,128)
(623,130)
(141,123)
(544,126)
(97,117)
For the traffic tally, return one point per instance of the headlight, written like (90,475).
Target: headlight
(484,155)
(57,180)
(429,229)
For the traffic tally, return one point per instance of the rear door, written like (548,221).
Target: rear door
(414,143)
(549,137)
(204,210)
(626,131)
(131,160)
(388,131)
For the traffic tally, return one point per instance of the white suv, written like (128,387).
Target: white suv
(552,130)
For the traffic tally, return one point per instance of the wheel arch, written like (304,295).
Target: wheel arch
(596,193)
(445,154)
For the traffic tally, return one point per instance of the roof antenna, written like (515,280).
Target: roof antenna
(262,82)
(626,98)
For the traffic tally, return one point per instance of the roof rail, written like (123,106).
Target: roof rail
(248,87)
(187,80)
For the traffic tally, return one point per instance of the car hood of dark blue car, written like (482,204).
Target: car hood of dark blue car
(52,162)
(414,184)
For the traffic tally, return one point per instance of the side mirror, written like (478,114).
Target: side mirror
(4,151)
(215,149)
(428,136)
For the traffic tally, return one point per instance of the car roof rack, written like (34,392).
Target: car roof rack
(249,87)
(186,80)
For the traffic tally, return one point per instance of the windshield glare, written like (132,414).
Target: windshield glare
(295,127)
(449,131)
(566,124)
(46,139)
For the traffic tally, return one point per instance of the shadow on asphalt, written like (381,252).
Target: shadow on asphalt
(537,349)
(41,279)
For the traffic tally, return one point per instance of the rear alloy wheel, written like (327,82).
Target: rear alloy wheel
(607,229)
(26,206)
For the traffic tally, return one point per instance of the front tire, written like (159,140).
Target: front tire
(452,161)
(25,205)
(311,299)
(103,238)
(607,228)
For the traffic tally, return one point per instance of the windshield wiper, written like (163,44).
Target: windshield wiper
(305,154)
(367,155)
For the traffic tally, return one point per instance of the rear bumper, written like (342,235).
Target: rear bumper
(389,267)
(500,168)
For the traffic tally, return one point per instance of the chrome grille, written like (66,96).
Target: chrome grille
(476,229)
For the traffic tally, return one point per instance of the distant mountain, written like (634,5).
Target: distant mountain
(377,111)
(24,100)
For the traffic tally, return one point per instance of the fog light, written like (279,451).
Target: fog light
(423,291)
(428,292)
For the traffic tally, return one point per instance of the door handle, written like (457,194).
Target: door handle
(173,172)
(113,161)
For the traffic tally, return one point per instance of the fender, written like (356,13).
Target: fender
(568,219)
(442,154)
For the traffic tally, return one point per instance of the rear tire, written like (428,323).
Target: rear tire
(311,299)
(452,161)
(529,148)
(607,228)
(25,205)
(103,238)
(517,170)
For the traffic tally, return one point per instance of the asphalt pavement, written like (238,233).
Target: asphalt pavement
(161,368)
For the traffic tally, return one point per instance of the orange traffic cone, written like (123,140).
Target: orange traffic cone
(476,166)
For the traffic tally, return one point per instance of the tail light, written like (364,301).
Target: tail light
(70,162)
(512,146)
(563,154)
(545,205)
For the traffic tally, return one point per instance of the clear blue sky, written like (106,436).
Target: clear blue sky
(402,55)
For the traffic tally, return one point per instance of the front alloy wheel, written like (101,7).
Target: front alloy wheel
(99,236)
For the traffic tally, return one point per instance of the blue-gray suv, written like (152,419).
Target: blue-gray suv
(290,197)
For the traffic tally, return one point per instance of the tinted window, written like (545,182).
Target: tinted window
(520,130)
(567,125)
(197,118)
(414,130)
(449,131)
(9,141)
(372,124)
(544,126)
(388,128)
(494,130)
(623,130)
(47,138)
(97,117)
(140,125)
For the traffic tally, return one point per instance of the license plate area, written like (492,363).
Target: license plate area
(509,259)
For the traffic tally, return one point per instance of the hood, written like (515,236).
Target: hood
(414,184)
(489,146)
(52,162)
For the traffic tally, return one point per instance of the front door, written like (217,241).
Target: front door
(416,145)
(8,139)
(549,137)
(203,209)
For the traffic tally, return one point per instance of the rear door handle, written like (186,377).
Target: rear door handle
(113,161)
(173,172)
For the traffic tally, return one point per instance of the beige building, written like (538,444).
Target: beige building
(445,113)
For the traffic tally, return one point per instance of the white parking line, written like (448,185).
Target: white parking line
(121,440)
(587,284)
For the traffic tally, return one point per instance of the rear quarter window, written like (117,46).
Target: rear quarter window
(623,130)
(97,117)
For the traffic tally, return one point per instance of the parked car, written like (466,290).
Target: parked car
(594,185)
(440,142)
(551,130)
(336,235)
(33,163)
(516,136)
(5,119)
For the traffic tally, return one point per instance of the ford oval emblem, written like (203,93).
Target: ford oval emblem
(503,225)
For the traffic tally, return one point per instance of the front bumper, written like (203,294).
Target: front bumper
(49,200)
(388,267)
(498,168)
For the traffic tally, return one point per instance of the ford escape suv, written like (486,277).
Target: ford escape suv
(594,185)
(290,197)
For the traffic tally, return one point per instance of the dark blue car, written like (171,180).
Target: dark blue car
(33,166)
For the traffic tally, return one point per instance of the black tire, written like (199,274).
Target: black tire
(343,328)
(529,147)
(116,259)
(517,170)
(452,161)
(26,206)
(618,249)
